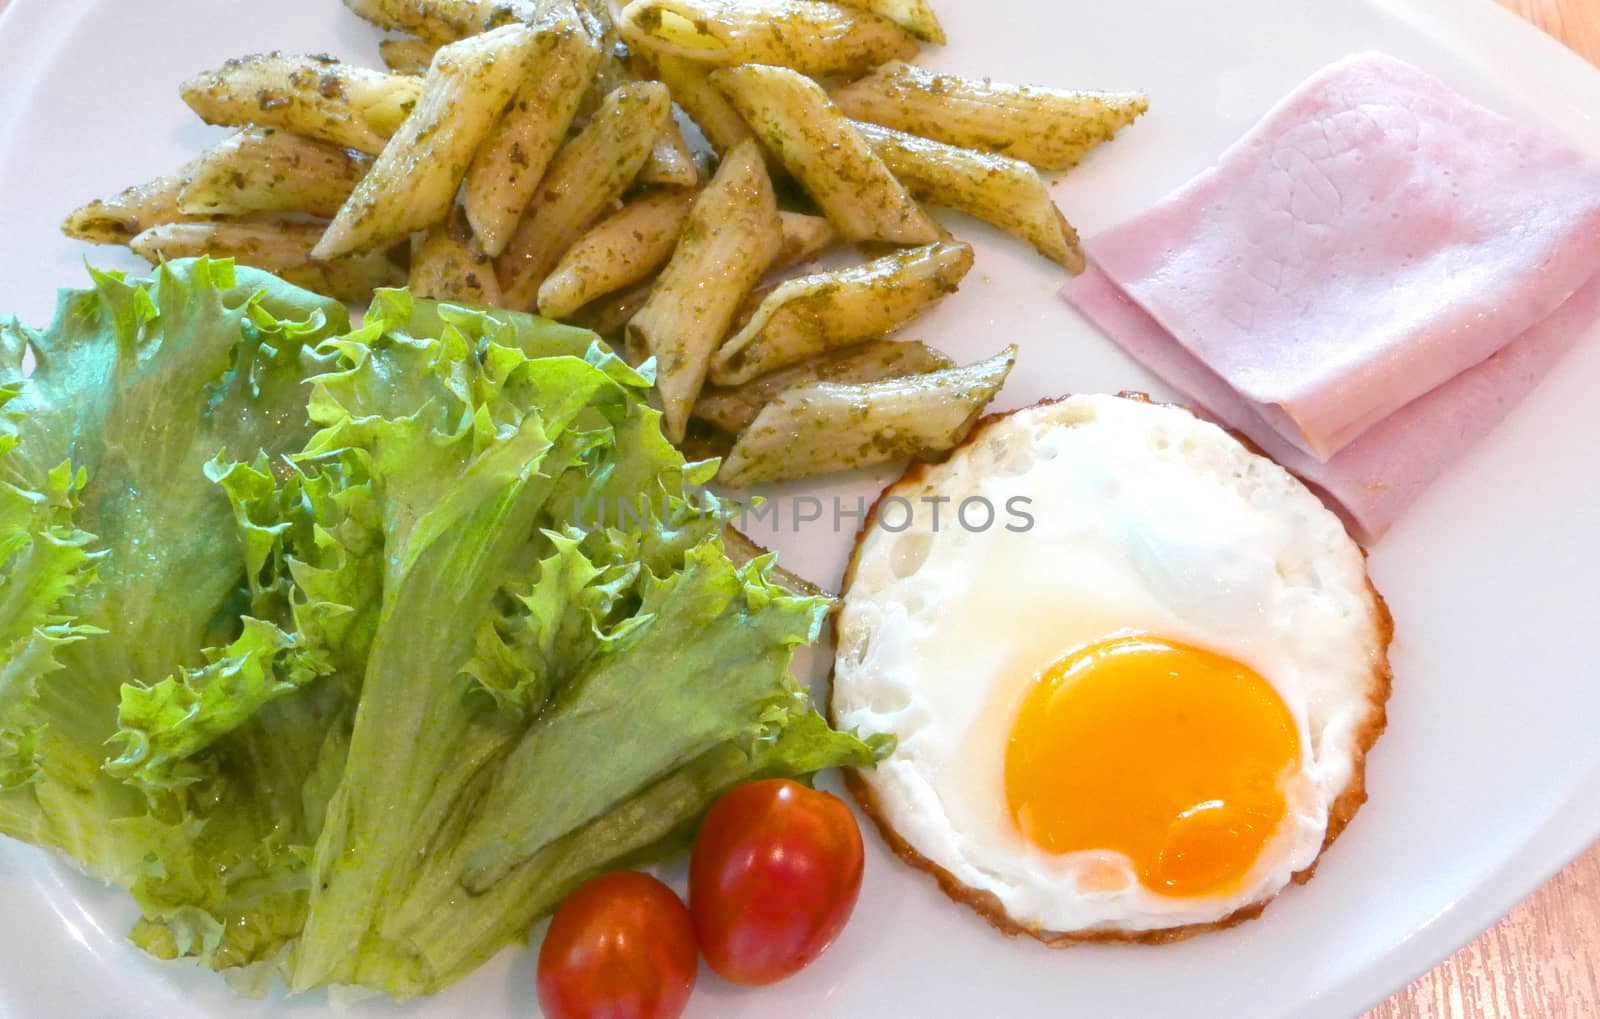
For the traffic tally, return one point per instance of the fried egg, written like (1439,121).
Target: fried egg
(1131,667)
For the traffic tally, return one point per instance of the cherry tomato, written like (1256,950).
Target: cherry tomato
(775,874)
(621,947)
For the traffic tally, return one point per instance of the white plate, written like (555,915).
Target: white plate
(1489,778)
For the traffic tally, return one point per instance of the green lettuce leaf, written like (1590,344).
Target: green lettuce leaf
(350,653)
(44,561)
(123,568)
(560,631)
(454,934)
(165,726)
(708,658)
(134,387)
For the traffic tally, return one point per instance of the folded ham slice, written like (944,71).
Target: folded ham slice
(1365,283)
(1373,479)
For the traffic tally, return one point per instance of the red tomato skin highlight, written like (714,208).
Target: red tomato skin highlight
(774,877)
(620,947)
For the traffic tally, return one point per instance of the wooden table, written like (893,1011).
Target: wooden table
(1543,960)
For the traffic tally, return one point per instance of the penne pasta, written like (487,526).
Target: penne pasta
(733,409)
(915,16)
(507,169)
(824,311)
(413,182)
(804,237)
(446,21)
(596,14)
(811,36)
(1005,192)
(589,173)
(610,315)
(596,17)
(670,163)
(1048,127)
(407,54)
(130,212)
(791,114)
(448,265)
(282,248)
(819,427)
(692,90)
(624,248)
(733,234)
(612,73)
(266,169)
(318,97)
(704,443)
(537,155)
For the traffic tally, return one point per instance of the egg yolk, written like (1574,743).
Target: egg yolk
(1173,756)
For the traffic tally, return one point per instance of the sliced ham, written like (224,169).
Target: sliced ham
(1365,283)
(1375,235)
(1372,480)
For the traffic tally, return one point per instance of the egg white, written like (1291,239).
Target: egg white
(1144,519)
